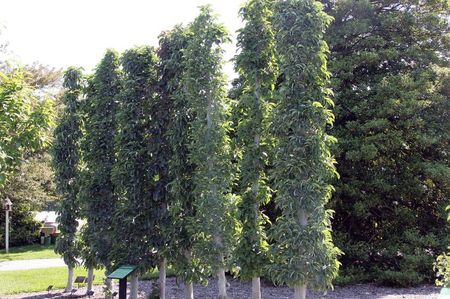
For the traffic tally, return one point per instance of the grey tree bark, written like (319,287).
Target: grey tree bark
(90,279)
(70,274)
(162,279)
(134,285)
(300,290)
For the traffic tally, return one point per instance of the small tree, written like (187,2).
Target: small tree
(66,158)
(96,191)
(257,69)
(138,211)
(303,252)
(209,150)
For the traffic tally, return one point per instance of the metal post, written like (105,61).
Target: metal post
(123,288)
(7,231)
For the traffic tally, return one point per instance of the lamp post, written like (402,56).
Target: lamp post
(7,204)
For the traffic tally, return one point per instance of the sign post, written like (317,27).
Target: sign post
(122,273)
(8,208)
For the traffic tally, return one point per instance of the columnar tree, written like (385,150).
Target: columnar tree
(136,216)
(160,118)
(96,191)
(390,65)
(66,156)
(303,252)
(181,209)
(209,150)
(256,66)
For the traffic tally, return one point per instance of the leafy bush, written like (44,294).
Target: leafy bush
(442,268)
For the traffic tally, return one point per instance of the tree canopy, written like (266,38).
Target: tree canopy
(24,122)
(390,61)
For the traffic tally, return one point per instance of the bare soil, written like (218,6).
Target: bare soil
(241,290)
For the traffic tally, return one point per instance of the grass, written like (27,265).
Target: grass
(37,280)
(154,274)
(28,253)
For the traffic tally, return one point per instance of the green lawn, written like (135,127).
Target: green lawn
(37,280)
(28,253)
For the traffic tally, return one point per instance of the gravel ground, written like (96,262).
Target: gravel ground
(239,290)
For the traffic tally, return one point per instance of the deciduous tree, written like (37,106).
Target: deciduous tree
(209,149)
(181,209)
(66,157)
(24,122)
(256,65)
(303,251)
(136,218)
(97,198)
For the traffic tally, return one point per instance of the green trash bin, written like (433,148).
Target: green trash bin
(48,240)
(52,239)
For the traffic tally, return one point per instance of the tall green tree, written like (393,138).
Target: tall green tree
(179,239)
(209,148)
(97,197)
(256,65)
(303,251)
(66,157)
(160,107)
(390,65)
(136,218)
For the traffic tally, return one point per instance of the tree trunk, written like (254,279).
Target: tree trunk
(188,290)
(109,284)
(90,279)
(162,279)
(256,288)
(256,283)
(300,292)
(188,287)
(69,286)
(222,283)
(134,285)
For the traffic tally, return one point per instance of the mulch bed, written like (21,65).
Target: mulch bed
(240,290)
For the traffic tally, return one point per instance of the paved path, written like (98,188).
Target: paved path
(31,264)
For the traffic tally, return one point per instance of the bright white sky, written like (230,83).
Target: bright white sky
(62,33)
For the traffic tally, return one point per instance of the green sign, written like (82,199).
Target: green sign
(122,272)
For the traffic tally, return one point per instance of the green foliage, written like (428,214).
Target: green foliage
(303,251)
(137,213)
(390,67)
(30,189)
(257,69)
(66,156)
(24,121)
(442,268)
(212,226)
(442,264)
(97,197)
(179,239)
